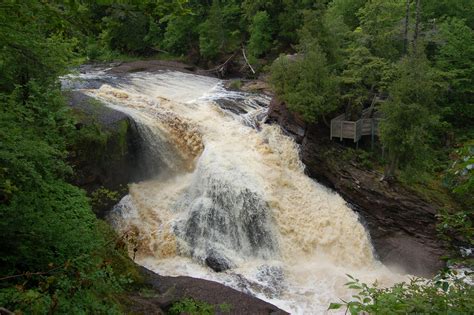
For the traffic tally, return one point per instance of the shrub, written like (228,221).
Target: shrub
(193,307)
(447,293)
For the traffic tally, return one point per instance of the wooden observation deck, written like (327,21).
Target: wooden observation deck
(346,129)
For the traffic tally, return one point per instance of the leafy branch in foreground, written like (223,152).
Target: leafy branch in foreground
(446,293)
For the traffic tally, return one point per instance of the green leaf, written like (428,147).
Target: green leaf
(334,306)
(445,286)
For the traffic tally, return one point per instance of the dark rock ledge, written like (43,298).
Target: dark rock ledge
(164,291)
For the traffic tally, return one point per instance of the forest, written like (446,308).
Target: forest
(411,59)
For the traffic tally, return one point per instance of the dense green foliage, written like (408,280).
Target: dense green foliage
(306,84)
(410,115)
(455,62)
(444,294)
(413,60)
(55,256)
(260,40)
(203,31)
(460,177)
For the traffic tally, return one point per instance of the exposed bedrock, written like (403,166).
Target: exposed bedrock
(402,225)
(168,290)
(105,153)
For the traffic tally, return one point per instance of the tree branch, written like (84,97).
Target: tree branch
(220,67)
(246,60)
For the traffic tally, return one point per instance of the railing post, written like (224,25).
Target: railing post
(342,123)
(354,126)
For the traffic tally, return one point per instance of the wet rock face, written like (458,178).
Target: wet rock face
(225,220)
(402,225)
(168,290)
(110,157)
(217,262)
(291,123)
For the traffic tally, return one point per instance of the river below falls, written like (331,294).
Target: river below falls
(226,188)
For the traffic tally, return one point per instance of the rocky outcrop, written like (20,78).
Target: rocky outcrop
(164,291)
(105,151)
(153,66)
(402,224)
(291,123)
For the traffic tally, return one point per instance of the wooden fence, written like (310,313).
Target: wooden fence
(345,129)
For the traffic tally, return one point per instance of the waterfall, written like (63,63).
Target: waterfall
(230,192)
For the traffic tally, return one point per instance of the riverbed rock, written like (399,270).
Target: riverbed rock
(290,122)
(153,66)
(402,224)
(217,262)
(164,291)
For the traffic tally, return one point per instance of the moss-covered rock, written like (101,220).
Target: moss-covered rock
(104,151)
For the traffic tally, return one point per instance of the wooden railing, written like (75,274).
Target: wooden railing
(345,129)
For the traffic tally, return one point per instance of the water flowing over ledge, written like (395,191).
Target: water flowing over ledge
(231,193)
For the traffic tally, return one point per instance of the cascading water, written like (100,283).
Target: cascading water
(233,194)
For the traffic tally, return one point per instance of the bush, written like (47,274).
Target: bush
(446,293)
(235,84)
(103,199)
(219,33)
(125,30)
(193,307)
(53,252)
(460,176)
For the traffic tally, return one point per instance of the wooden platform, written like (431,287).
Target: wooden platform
(346,129)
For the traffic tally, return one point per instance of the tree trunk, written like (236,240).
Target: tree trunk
(25,90)
(390,168)
(325,122)
(417,24)
(407,21)
(348,110)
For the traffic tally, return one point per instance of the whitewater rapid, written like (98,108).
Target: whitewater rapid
(232,188)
